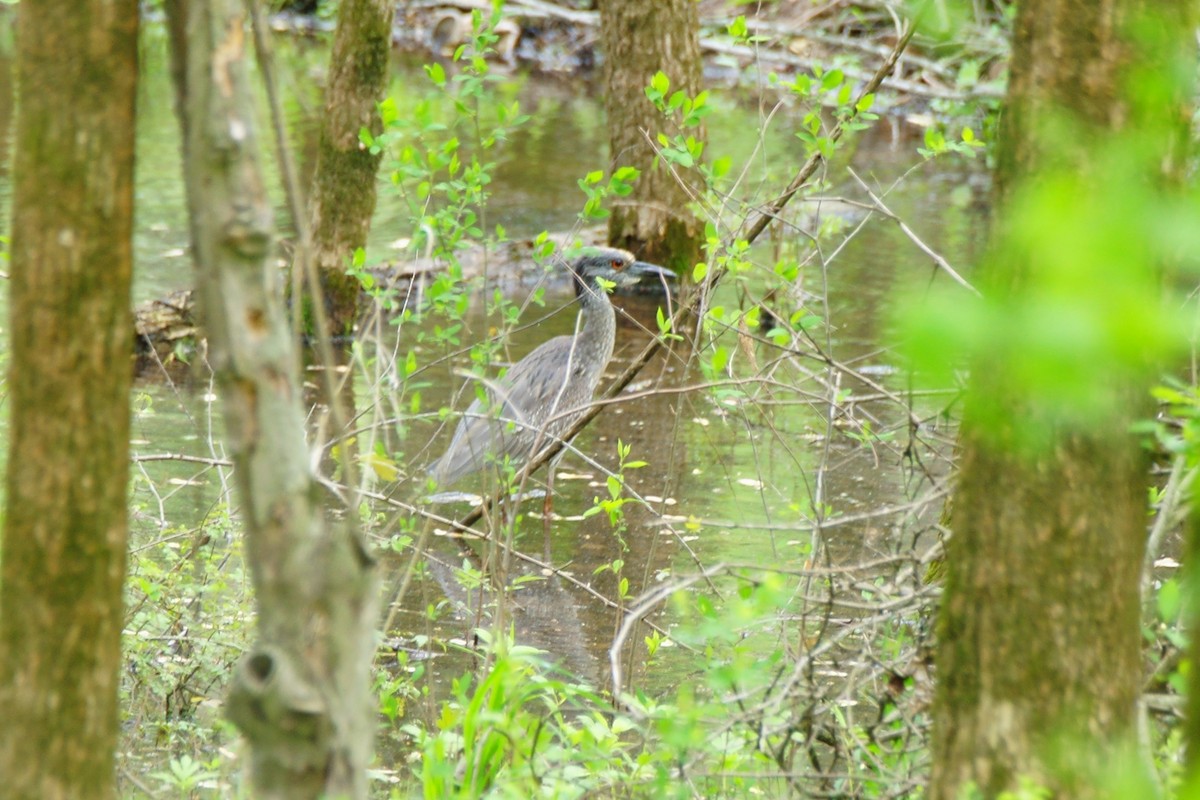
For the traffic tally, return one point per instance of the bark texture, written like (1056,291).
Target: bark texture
(1039,639)
(343,193)
(641,37)
(61,610)
(301,696)
(1039,660)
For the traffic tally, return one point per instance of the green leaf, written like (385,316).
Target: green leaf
(681,157)
(968,74)
(720,359)
(436,73)
(935,141)
(1170,600)
(660,83)
(614,486)
(389,112)
(804,320)
(832,80)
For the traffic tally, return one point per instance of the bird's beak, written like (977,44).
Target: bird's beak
(644,272)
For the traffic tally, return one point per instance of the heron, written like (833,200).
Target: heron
(542,395)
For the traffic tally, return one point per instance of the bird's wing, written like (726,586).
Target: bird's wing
(543,385)
(535,392)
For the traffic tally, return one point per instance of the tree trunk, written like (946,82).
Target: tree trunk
(343,194)
(65,525)
(1039,633)
(302,695)
(1039,659)
(640,38)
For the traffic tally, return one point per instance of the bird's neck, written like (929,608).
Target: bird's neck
(598,328)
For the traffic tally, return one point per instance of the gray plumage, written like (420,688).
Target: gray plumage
(543,394)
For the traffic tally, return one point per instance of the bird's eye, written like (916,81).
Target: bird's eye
(618,265)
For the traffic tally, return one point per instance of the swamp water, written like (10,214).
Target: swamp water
(761,469)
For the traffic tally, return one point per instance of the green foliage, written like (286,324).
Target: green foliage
(597,190)
(517,731)
(185,775)
(1089,315)
(678,148)
(615,483)
(741,703)
(828,88)
(397,686)
(520,730)
(440,154)
(936,144)
(438,150)
(740,32)
(187,623)
(1177,431)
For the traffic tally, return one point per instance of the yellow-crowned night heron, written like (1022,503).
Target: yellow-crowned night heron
(543,394)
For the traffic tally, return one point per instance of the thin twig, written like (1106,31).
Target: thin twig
(816,159)
(790,59)
(636,614)
(942,263)
(211,462)
(482,536)
(1172,506)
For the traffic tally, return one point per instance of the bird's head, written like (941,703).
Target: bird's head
(615,266)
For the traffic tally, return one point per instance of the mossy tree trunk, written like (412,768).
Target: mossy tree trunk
(343,192)
(1039,659)
(65,522)
(302,695)
(641,37)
